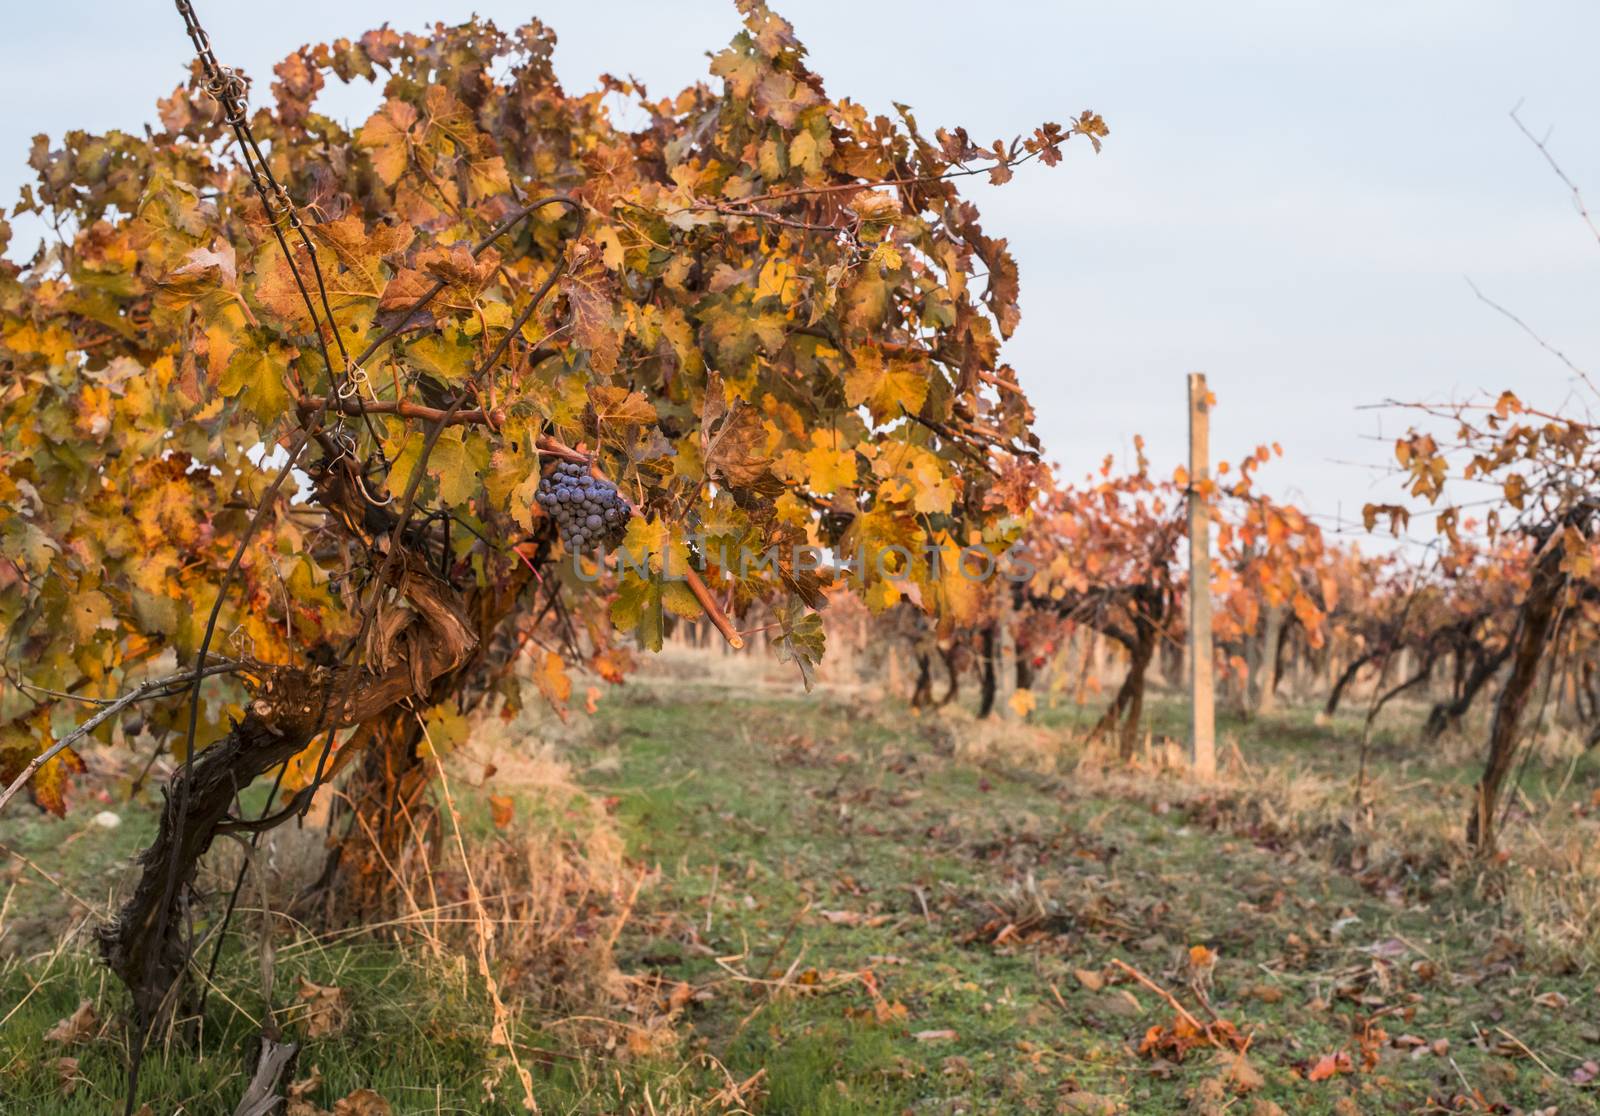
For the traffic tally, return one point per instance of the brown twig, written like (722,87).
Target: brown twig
(1577,195)
(406,409)
(1520,1045)
(1172,1000)
(155,688)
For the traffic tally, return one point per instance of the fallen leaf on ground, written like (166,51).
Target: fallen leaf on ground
(1330,1065)
(1208,1098)
(80,1026)
(934,1036)
(299,1093)
(855,918)
(1237,1072)
(362,1102)
(1182,1036)
(326,1010)
(1087,1104)
(1119,1001)
(67,1077)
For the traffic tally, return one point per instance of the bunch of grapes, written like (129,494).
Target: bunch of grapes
(588,510)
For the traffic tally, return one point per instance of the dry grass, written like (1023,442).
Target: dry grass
(1000,740)
(513,892)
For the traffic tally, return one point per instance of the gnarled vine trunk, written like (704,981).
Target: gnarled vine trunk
(1346,677)
(1447,714)
(145,955)
(1536,623)
(1148,609)
(1269,658)
(411,645)
(379,816)
(922,693)
(987,685)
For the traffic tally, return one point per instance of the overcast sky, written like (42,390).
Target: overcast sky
(1292,199)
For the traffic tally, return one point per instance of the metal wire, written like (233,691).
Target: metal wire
(229,89)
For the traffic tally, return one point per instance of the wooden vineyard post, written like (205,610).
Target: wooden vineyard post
(1202,678)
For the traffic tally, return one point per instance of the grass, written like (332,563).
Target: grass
(852,914)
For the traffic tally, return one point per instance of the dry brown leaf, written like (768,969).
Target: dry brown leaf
(1237,1072)
(326,1010)
(1266,993)
(1119,1001)
(362,1102)
(67,1076)
(1208,1098)
(652,1041)
(1079,1103)
(81,1026)
(945,1035)
(502,809)
(1330,1065)
(1202,958)
(1090,979)
(299,1092)
(679,995)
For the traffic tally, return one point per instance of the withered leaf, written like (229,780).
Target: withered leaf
(325,1009)
(79,1027)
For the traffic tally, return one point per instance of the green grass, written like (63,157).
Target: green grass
(834,886)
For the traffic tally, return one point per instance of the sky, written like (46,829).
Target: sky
(1296,197)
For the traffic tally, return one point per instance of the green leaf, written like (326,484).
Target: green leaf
(256,377)
(440,358)
(802,640)
(452,465)
(637,608)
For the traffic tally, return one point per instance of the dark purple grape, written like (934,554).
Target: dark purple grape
(588,511)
